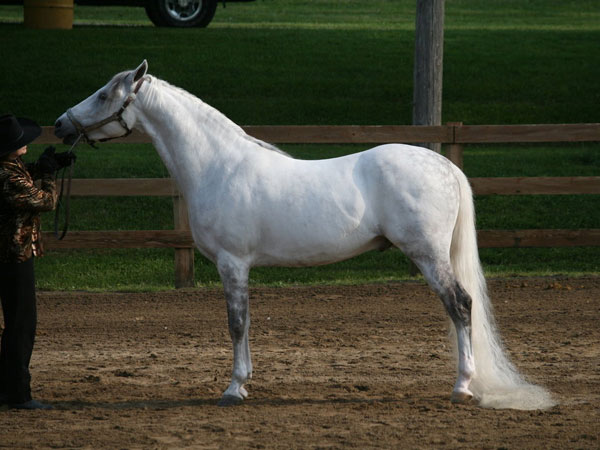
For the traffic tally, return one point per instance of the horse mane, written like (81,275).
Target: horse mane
(211,113)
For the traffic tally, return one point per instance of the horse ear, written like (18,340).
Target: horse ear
(140,71)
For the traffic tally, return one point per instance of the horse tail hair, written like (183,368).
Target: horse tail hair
(496,383)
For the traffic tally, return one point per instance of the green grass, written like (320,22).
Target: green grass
(375,14)
(504,62)
(322,62)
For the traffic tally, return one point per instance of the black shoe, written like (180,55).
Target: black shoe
(30,405)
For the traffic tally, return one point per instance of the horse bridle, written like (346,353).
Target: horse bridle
(83,131)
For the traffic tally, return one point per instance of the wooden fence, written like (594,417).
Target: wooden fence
(454,135)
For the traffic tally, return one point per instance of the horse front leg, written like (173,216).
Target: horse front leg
(234,276)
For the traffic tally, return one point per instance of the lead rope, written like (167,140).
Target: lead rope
(67,198)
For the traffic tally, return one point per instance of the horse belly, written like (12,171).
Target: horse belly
(296,254)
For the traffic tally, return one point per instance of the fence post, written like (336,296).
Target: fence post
(428,65)
(454,152)
(184,257)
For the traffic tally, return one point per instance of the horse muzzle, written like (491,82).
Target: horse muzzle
(64,129)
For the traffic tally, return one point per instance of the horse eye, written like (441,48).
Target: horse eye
(102,96)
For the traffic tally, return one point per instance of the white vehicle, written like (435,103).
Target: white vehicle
(162,13)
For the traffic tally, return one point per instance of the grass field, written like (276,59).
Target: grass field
(323,62)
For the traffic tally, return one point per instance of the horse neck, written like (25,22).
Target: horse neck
(191,137)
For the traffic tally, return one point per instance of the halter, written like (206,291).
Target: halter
(82,134)
(114,117)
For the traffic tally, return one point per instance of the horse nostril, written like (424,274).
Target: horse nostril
(57,124)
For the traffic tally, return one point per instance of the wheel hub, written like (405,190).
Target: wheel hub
(184,10)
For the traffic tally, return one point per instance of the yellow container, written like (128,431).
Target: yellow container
(48,14)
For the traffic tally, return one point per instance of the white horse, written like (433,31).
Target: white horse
(252,205)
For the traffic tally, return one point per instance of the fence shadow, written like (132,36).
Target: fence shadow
(163,404)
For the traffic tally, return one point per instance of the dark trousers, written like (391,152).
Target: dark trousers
(17,291)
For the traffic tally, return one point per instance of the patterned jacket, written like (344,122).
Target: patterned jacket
(21,203)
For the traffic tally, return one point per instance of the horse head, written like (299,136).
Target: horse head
(105,114)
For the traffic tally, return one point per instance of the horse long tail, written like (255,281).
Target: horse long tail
(497,383)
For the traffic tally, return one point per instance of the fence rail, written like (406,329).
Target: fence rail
(183,239)
(165,187)
(451,133)
(454,135)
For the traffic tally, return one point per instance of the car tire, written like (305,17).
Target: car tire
(169,13)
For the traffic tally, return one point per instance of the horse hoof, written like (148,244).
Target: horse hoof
(230,400)
(462,398)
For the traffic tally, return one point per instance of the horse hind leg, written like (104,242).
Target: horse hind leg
(457,303)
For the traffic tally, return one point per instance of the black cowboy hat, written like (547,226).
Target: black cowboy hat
(16,133)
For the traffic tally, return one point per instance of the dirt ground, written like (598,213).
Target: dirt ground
(335,367)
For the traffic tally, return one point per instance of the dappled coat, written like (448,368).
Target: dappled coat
(21,203)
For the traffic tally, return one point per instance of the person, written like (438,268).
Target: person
(21,203)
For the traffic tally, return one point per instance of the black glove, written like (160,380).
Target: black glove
(65,159)
(47,163)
